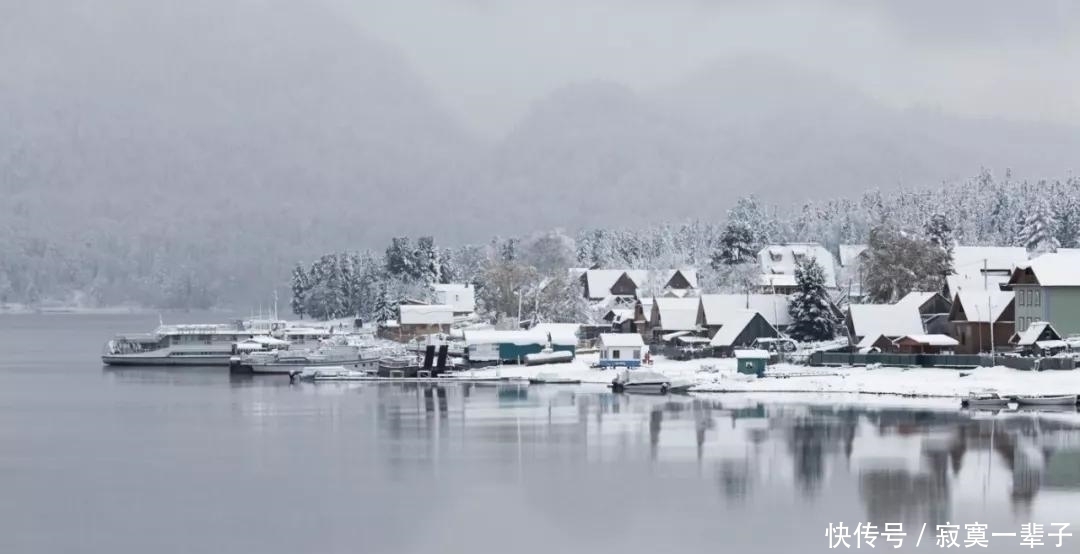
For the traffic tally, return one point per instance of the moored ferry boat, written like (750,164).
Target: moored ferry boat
(196,344)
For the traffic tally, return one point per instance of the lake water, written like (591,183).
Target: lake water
(195,460)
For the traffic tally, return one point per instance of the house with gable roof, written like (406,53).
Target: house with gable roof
(778,263)
(600,284)
(982,320)
(1047,288)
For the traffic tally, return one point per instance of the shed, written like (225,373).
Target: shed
(752,361)
(620,349)
(878,341)
(511,346)
(1039,331)
(926,344)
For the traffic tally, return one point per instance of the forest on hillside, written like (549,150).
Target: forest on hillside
(139,166)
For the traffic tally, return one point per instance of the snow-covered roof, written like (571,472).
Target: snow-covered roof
(1031,335)
(773,307)
(674,335)
(677,314)
(600,281)
(1047,344)
(732,327)
(849,253)
(970,260)
(1057,269)
(426,314)
(983,306)
(619,315)
(493,336)
(916,298)
(621,340)
(957,283)
(869,340)
(931,340)
(269,341)
(779,259)
(563,334)
(751,354)
(891,320)
(781,280)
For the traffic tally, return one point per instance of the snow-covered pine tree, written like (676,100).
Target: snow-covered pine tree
(447,269)
(386,306)
(736,246)
(1038,233)
(812,318)
(508,249)
(1067,213)
(400,258)
(300,287)
(940,234)
(425,261)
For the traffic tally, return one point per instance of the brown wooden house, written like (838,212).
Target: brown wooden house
(982,320)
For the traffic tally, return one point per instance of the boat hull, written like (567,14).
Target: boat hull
(642,388)
(1067,400)
(287,368)
(554,381)
(986,403)
(130,360)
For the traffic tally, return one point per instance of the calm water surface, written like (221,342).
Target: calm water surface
(193,460)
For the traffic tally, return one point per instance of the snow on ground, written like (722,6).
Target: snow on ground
(917,382)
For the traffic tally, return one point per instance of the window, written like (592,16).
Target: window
(637,354)
(1021,299)
(1038,297)
(615,354)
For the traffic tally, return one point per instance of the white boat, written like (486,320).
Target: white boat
(552,379)
(329,373)
(283,362)
(549,357)
(1046,400)
(985,400)
(641,381)
(197,344)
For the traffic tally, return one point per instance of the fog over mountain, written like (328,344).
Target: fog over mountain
(149,146)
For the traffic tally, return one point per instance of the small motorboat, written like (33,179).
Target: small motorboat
(985,400)
(641,381)
(552,379)
(1046,400)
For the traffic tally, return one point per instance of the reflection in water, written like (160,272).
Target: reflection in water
(905,462)
(903,465)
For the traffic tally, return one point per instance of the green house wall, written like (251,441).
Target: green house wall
(509,352)
(1063,308)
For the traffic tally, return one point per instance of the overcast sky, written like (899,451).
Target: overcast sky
(489,59)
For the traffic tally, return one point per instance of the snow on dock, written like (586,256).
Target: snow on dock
(720,376)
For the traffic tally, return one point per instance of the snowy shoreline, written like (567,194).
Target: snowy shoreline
(929,383)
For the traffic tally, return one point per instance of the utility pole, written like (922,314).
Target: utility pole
(990,309)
